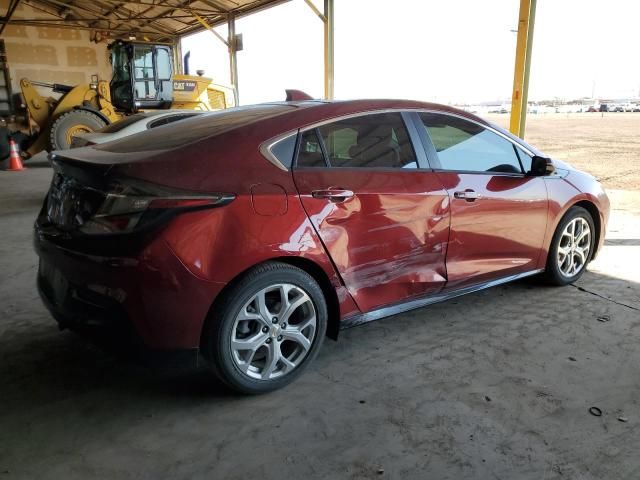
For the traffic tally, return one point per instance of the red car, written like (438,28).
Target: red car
(249,234)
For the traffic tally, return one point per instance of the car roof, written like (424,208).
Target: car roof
(267,120)
(319,110)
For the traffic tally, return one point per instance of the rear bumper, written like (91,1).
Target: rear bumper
(107,325)
(149,301)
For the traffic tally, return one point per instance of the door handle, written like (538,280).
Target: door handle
(333,195)
(468,195)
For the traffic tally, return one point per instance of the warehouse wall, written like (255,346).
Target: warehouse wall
(52,55)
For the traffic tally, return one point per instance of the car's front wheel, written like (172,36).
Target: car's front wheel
(266,329)
(571,247)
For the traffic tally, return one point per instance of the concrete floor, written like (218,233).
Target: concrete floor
(493,385)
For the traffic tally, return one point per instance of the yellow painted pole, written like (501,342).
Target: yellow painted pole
(518,76)
(527,68)
(328,49)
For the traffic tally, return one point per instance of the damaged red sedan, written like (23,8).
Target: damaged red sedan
(246,236)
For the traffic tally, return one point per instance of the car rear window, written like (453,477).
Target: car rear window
(193,129)
(166,120)
(120,124)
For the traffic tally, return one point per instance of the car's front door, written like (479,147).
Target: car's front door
(382,216)
(498,213)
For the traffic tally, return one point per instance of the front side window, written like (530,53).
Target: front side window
(368,141)
(525,159)
(468,147)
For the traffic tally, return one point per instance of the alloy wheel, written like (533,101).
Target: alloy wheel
(574,247)
(273,332)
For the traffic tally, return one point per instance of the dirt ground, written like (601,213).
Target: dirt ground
(607,145)
(494,385)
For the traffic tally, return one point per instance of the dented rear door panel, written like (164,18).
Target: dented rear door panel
(388,241)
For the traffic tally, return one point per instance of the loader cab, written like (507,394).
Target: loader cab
(141,76)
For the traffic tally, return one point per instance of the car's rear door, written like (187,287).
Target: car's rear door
(498,213)
(382,215)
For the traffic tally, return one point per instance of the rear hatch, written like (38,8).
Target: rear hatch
(134,185)
(92,208)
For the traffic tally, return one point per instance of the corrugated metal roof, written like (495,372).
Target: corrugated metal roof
(156,20)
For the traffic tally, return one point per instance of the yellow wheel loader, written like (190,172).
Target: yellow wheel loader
(142,79)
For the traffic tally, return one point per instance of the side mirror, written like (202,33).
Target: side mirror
(541,166)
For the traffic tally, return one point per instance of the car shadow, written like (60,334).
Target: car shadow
(625,242)
(52,365)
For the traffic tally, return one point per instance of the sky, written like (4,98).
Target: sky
(454,51)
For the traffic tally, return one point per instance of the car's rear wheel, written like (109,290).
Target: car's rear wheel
(266,329)
(571,247)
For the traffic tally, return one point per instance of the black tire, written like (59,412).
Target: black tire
(219,328)
(552,273)
(60,129)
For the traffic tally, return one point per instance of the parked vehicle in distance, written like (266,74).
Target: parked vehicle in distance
(252,233)
(136,123)
(636,107)
(591,108)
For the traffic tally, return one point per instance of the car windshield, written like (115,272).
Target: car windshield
(193,129)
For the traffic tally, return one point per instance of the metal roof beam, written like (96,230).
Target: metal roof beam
(315,10)
(163,14)
(152,22)
(29,23)
(5,20)
(150,3)
(96,19)
(240,12)
(56,5)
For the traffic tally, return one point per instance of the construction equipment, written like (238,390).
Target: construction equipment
(142,79)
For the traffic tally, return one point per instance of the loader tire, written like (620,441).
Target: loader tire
(71,123)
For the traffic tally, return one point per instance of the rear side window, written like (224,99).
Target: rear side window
(310,152)
(468,147)
(369,141)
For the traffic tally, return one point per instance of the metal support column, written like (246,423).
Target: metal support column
(527,68)
(177,57)
(328,49)
(233,58)
(526,22)
(327,21)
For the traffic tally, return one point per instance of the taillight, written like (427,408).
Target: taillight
(136,205)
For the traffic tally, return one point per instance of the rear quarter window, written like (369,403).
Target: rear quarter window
(284,150)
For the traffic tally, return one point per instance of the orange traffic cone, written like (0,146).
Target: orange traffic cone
(15,162)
